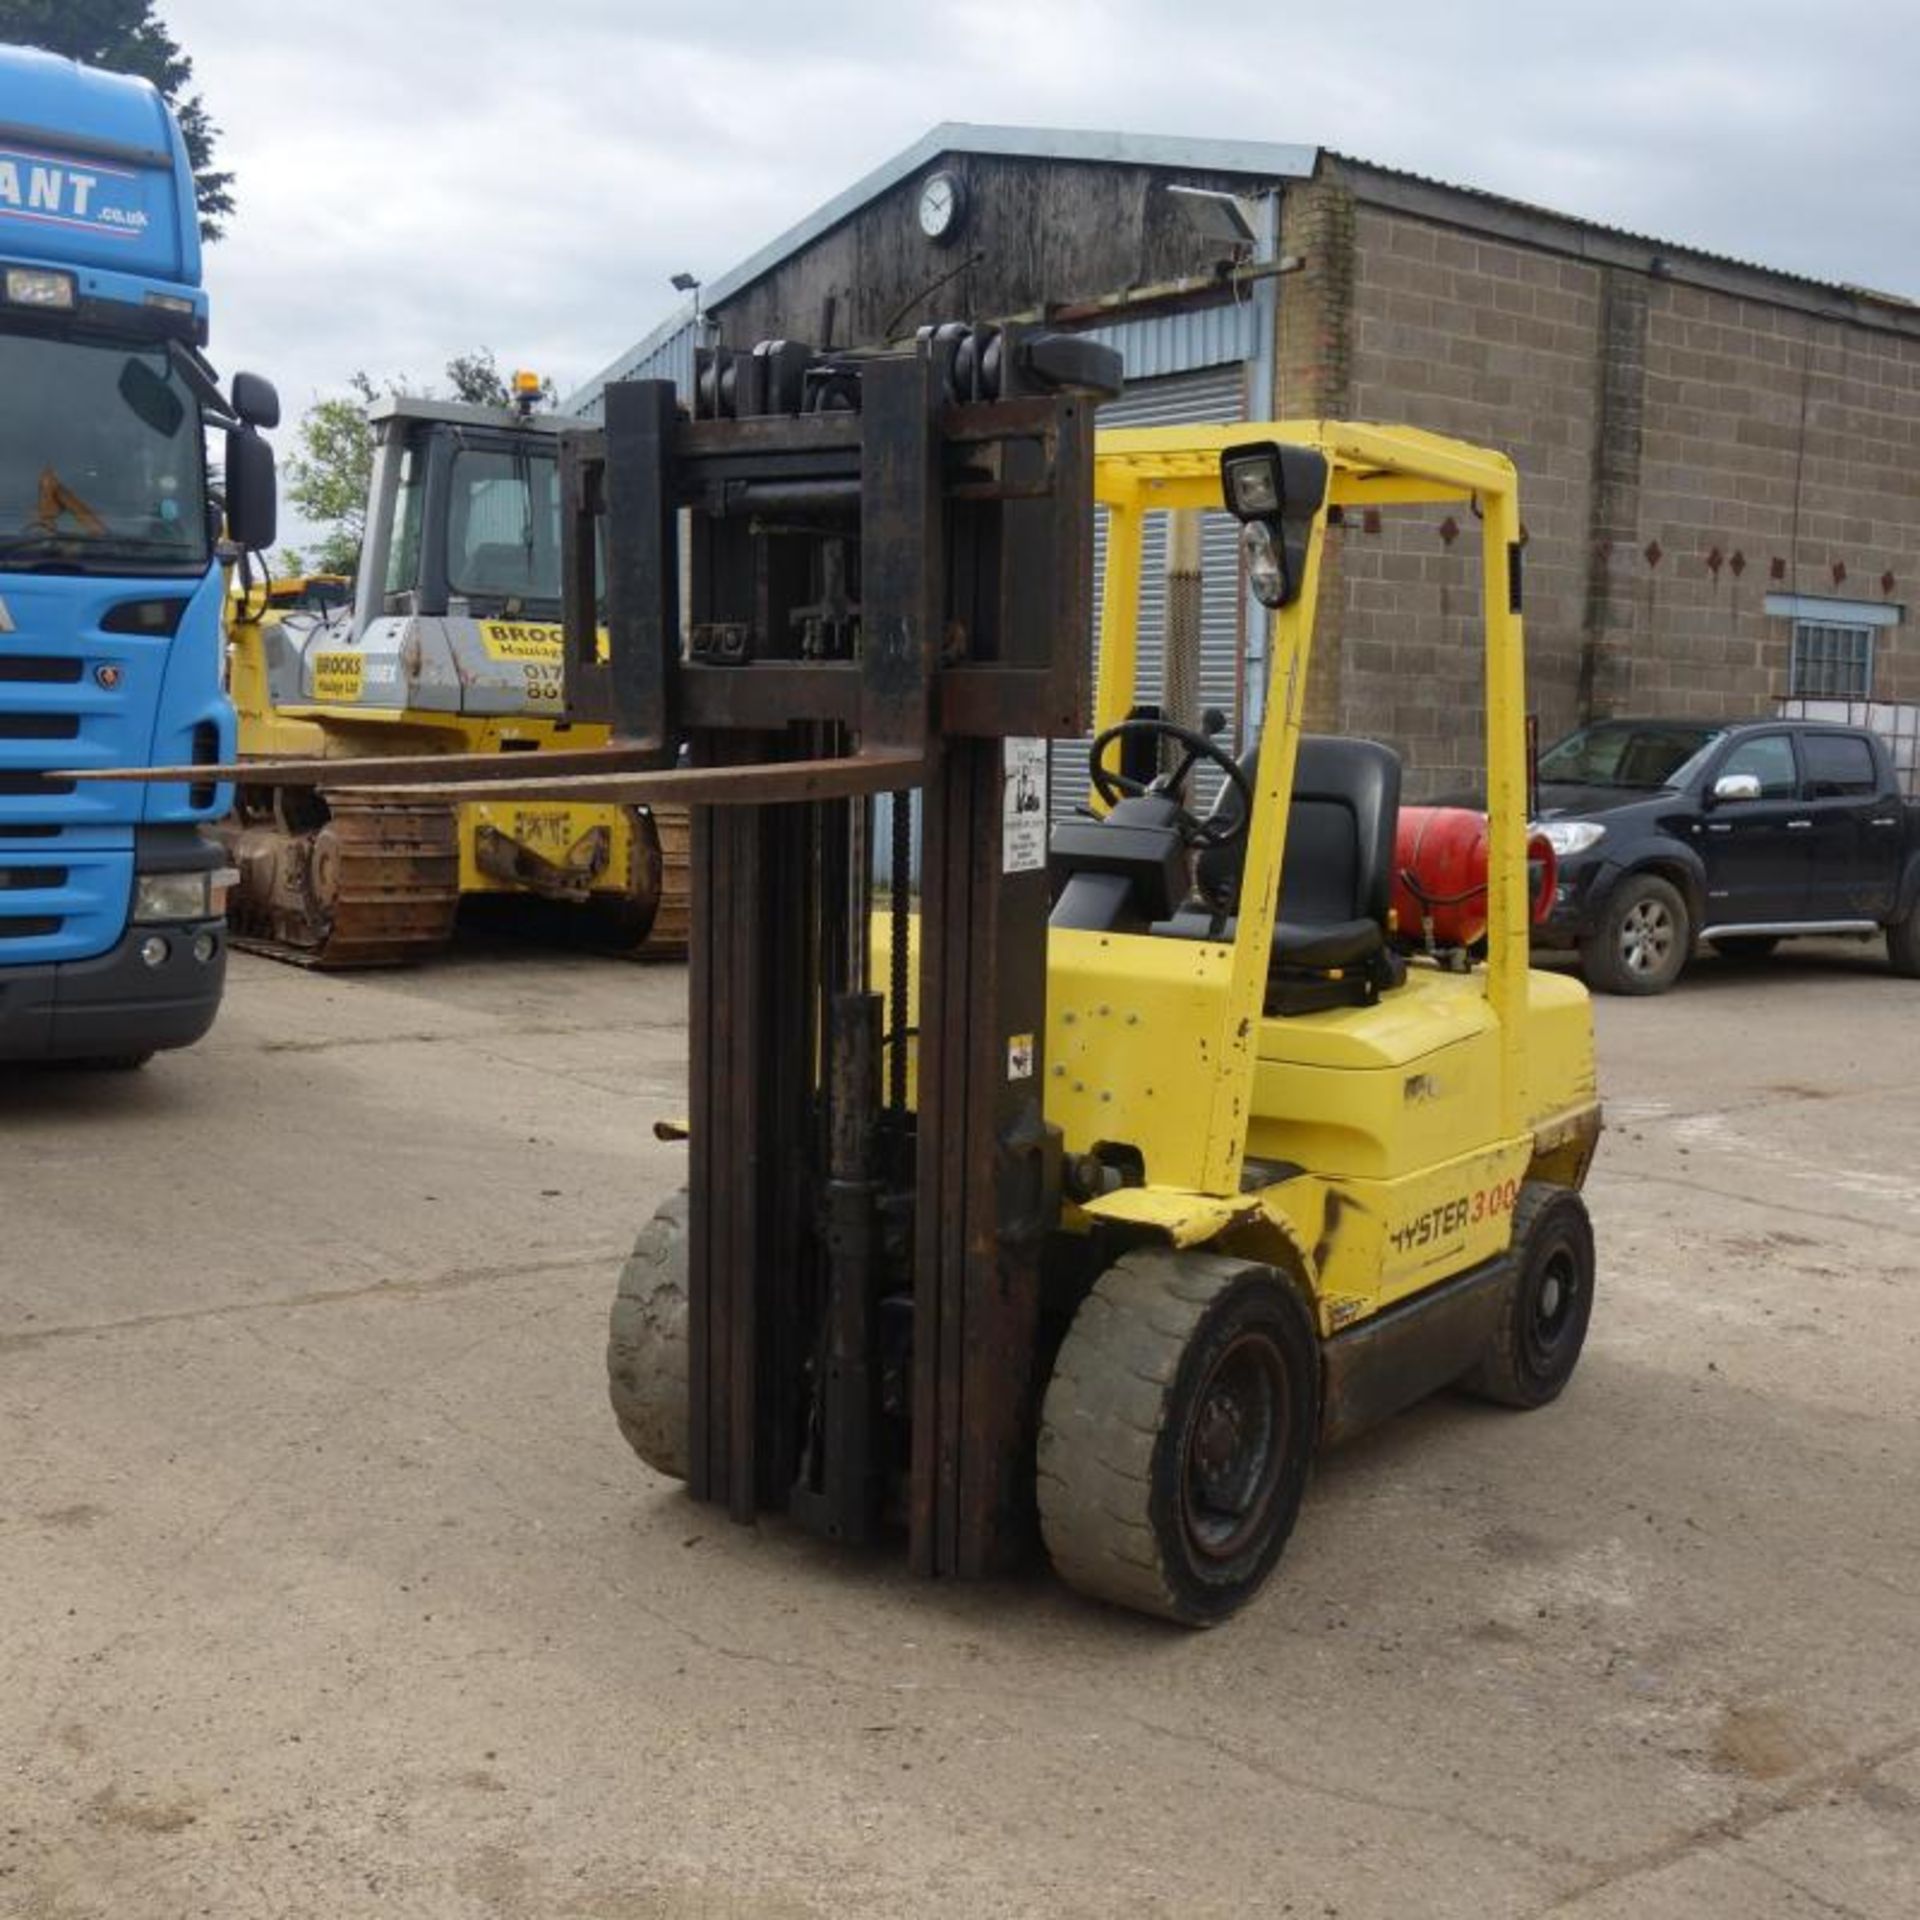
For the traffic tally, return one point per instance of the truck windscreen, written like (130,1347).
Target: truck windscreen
(102,465)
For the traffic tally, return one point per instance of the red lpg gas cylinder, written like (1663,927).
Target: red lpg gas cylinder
(1440,875)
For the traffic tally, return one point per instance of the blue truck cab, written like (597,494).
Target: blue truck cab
(112,940)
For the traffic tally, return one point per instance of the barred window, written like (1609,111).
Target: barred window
(1831,660)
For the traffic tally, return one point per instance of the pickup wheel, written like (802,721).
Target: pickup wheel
(1643,940)
(1903,944)
(1745,946)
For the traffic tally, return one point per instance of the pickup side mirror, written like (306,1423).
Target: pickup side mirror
(1736,786)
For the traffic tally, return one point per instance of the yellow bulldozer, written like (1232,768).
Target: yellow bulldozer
(448,643)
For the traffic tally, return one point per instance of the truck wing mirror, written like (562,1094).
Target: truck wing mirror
(256,401)
(252,516)
(1737,786)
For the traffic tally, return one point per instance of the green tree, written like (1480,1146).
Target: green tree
(476,378)
(288,562)
(125,36)
(327,475)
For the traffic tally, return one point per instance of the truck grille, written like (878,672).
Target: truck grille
(64,904)
(41,669)
(92,692)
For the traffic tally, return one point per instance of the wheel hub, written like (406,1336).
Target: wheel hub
(1553,1302)
(1646,936)
(1217,1444)
(1235,1447)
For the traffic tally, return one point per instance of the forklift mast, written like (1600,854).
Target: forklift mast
(890,592)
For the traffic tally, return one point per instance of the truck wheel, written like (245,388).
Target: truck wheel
(647,1342)
(1176,1434)
(1537,1345)
(1903,944)
(1745,946)
(1643,939)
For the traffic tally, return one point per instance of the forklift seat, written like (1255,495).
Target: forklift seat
(1330,935)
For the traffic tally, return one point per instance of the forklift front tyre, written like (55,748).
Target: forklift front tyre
(1537,1343)
(647,1342)
(1176,1433)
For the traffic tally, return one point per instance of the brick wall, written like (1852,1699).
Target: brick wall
(1787,446)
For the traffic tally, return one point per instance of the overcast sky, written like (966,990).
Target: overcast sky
(422,177)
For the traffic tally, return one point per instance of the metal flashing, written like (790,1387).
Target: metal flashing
(1844,613)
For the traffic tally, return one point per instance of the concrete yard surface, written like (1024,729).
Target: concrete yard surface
(328,1588)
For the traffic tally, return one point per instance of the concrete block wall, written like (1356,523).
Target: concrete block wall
(1684,449)
(1492,343)
(1781,453)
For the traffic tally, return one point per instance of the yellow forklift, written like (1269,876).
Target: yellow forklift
(1312,1167)
(449,643)
(1078,1186)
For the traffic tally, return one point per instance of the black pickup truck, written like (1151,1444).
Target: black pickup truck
(1740,834)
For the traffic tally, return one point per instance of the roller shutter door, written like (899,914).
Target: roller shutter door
(1212,395)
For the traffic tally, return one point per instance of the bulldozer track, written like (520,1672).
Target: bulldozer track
(366,885)
(672,926)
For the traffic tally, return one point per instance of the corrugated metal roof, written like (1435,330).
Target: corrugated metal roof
(665,354)
(1532,210)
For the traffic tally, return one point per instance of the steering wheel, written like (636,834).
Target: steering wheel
(1196,832)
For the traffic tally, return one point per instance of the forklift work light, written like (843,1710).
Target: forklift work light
(1275,491)
(39,287)
(1266,569)
(1252,482)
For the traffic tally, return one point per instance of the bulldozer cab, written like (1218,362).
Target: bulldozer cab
(464,513)
(455,608)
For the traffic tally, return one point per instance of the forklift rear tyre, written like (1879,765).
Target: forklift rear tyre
(647,1342)
(1537,1345)
(1176,1434)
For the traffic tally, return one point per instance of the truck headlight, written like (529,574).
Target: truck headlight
(182,896)
(39,287)
(1571,836)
